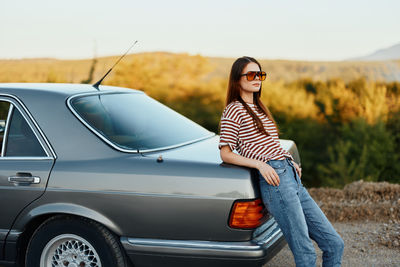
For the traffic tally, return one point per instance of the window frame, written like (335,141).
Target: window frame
(15,103)
(6,127)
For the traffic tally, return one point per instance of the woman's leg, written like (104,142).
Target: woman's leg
(320,229)
(284,204)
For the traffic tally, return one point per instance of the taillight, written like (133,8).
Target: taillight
(248,214)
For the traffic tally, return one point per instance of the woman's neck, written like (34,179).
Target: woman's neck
(247,97)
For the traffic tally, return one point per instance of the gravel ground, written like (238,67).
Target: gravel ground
(366,244)
(367,217)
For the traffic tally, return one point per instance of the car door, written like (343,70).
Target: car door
(25,162)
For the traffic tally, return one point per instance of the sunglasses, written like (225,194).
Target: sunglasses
(251,75)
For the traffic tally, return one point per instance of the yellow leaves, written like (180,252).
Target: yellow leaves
(163,75)
(339,102)
(374,103)
(291,100)
(361,99)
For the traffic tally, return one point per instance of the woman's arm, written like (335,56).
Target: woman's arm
(266,171)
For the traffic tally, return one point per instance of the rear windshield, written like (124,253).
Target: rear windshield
(134,121)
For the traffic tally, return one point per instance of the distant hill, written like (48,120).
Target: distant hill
(390,53)
(76,71)
(291,70)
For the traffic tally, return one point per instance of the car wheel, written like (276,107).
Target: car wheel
(74,242)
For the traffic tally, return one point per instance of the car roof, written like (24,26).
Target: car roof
(66,89)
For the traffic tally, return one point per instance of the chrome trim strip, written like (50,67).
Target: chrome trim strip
(10,110)
(31,119)
(3,234)
(278,232)
(13,235)
(116,146)
(26,158)
(262,229)
(177,145)
(194,244)
(103,92)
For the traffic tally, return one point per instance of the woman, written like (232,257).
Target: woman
(248,127)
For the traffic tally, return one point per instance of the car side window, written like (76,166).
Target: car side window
(21,140)
(4,107)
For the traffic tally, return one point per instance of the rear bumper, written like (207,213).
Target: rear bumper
(155,252)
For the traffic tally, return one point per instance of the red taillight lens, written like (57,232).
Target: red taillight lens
(247,214)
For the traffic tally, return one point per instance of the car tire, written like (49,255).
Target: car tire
(71,241)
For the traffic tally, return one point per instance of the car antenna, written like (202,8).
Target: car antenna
(96,85)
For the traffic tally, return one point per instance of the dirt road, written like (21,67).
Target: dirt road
(367,217)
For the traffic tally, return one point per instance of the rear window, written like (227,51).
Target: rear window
(134,121)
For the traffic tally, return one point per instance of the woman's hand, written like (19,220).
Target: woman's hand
(298,169)
(269,174)
(266,170)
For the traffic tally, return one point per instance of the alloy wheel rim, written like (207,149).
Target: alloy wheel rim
(69,250)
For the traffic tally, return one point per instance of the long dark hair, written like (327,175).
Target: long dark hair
(233,93)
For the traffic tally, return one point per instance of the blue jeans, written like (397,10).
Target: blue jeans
(300,218)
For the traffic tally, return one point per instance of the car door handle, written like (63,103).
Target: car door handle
(24,178)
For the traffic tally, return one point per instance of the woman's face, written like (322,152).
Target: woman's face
(250,86)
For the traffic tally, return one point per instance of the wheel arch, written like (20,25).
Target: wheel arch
(43,212)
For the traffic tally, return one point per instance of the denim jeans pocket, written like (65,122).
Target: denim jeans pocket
(280,171)
(278,165)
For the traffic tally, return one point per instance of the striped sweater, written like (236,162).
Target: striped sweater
(239,132)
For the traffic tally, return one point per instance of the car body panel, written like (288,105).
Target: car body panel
(166,191)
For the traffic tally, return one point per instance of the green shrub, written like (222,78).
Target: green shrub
(361,151)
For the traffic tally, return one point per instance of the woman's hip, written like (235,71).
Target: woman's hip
(285,170)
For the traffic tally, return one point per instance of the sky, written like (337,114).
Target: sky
(288,29)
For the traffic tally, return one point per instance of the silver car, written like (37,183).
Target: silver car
(114,178)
